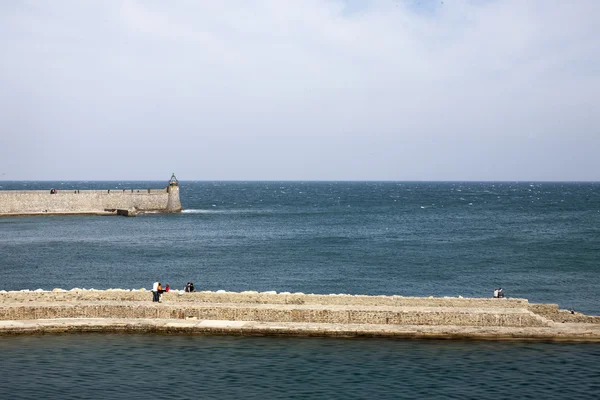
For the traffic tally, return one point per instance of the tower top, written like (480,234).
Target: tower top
(173,181)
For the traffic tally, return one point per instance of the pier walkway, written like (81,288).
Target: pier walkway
(290,314)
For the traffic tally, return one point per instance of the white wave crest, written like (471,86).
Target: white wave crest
(213,211)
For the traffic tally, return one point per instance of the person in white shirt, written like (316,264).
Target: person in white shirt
(155,292)
(496,293)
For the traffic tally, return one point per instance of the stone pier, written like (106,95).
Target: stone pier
(295,314)
(126,202)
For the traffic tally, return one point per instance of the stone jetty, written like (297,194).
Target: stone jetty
(290,314)
(125,202)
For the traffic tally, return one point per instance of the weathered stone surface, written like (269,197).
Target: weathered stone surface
(561,332)
(97,202)
(326,315)
(222,296)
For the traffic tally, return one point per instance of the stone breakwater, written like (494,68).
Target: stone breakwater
(299,314)
(95,202)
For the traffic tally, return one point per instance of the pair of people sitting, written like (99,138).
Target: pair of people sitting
(189,287)
(498,293)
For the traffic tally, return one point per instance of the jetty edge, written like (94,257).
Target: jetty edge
(252,313)
(125,202)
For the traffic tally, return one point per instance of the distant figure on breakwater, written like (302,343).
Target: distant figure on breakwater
(167,288)
(495,293)
(189,288)
(155,291)
(500,293)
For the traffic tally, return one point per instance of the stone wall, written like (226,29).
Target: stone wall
(173,202)
(16,202)
(277,313)
(251,297)
(283,307)
(267,307)
(553,313)
(296,314)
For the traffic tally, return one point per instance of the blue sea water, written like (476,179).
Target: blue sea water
(539,241)
(195,367)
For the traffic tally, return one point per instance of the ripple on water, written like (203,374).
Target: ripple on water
(137,366)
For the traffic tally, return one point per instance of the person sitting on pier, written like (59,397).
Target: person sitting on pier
(500,293)
(496,293)
(189,287)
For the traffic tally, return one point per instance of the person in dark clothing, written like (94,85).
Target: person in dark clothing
(189,287)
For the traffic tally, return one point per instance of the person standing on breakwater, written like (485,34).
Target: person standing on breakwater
(155,291)
(160,291)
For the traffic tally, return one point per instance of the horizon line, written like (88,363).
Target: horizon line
(311,180)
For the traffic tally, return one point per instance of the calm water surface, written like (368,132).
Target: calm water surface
(139,366)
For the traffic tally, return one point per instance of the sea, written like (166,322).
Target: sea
(536,240)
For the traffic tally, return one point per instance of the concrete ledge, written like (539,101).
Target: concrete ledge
(55,213)
(563,333)
(338,314)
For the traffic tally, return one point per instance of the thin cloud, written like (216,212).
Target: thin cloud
(425,90)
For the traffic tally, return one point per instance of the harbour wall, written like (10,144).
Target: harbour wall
(279,313)
(291,313)
(42,202)
(253,297)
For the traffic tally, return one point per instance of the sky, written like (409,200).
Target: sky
(401,90)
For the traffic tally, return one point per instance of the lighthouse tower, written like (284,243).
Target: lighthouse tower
(173,202)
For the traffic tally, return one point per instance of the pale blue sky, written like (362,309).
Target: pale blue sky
(300,90)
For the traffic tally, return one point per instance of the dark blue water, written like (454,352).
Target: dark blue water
(132,366)
(539,241)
